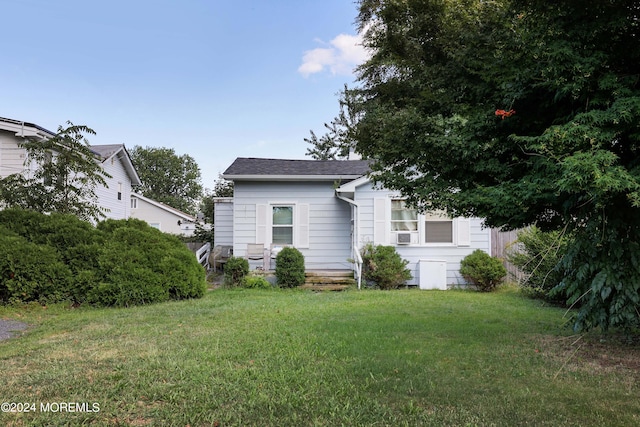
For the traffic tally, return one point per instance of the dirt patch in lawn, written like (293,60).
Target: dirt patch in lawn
(597,353)
(9,328)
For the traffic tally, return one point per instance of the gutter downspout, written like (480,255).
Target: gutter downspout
(356,235)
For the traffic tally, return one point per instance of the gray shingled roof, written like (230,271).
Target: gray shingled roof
(249,167)
(106,151)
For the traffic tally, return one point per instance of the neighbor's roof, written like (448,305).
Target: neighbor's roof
(106,151)
(247,168)
(164,207)
(109,150)
(24,129)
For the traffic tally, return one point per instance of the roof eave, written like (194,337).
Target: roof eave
(127,163)
(289,177)
(164,207)
(351,187)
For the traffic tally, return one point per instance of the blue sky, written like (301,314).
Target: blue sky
(213,79)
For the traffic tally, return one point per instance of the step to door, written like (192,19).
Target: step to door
(329,280)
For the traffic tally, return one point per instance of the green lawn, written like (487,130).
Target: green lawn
(293,358)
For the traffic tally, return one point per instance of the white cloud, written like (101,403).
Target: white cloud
(343,54)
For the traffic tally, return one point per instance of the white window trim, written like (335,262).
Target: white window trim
(264,223)
(423,232)
(460,225)
(293,225)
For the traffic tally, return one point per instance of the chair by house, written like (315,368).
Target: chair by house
(220,255)
(256,251)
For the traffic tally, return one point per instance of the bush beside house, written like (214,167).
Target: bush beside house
(51,258)
(235,270)
(290,268)
(383,266)
(482,270)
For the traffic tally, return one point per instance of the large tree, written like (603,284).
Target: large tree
(167,177)
(62,176)
(521,112)
(336,142)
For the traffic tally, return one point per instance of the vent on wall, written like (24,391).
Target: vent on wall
(403,238)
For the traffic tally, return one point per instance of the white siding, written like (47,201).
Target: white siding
(466,242)
(12,157)
(162,219)
(223,222)
(108,196)
(329,219)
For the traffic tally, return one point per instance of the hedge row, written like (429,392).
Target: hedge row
(53,258)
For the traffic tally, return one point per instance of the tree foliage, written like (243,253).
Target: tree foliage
(337,142)
(538,254)
(167,177)
(64,177)
(520,112)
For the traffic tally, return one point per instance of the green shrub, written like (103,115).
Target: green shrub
(140,265)
(30,272)
(59,257)
(290,268)
(482,270)
(538,255)
(255,282)
(384,266)
(235,269)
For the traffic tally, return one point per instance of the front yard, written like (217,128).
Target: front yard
(295,358)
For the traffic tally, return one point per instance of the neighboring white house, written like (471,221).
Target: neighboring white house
(114,159)
(116,195)
(163,217)
(329,210)
(12,156)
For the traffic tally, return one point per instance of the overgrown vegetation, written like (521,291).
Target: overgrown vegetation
(482,270)
(52,258)
(538,254)
(383,266)
(289,268)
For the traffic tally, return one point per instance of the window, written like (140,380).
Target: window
(396,223)
(282,225)
(438,228)
(134,203)
(403,218)
(119,191)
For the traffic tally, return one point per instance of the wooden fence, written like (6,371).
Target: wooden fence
(501,241)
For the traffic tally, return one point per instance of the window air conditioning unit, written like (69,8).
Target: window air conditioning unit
(403,238)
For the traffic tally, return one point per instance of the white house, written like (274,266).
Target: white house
(116,195)
(12,156)
(329,210)
(161,216)
(114,159)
